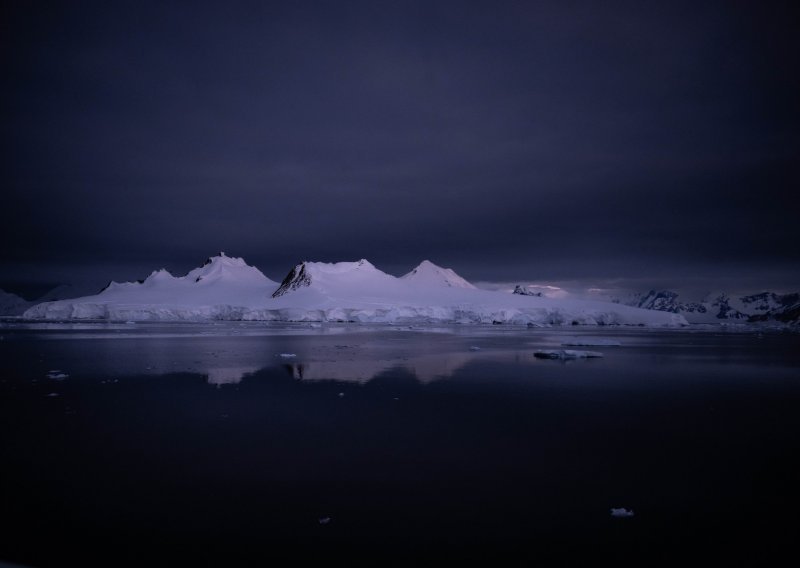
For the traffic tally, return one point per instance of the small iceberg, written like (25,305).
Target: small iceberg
(474,348)
(566,354)
(591,342)
(324,520)
(288,355)
(621,512)
(57,375)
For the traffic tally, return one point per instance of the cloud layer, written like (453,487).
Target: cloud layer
(547,142)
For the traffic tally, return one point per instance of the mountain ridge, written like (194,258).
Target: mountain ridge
(228,288)
(716,306)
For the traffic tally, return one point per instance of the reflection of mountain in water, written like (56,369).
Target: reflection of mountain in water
(228,376)
(347,371)
(426,368)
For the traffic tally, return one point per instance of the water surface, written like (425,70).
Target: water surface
(249,443)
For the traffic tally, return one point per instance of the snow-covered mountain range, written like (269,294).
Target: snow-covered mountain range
(719,306)
(222,288)
(228,288)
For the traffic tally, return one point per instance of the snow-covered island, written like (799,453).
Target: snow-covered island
(227,288)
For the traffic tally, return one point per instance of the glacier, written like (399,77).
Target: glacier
(227,288)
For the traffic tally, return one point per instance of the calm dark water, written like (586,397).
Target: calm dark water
(201,444)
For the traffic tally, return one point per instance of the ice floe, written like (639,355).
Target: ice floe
(566,354)
(591,342)
(57,375)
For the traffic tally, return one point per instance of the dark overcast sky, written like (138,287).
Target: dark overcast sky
(508,140)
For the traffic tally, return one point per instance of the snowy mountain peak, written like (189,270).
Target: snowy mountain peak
(225,268)
(339,267)
(159,275)
(223,259)
(427,273)
(335,275)
(216,270)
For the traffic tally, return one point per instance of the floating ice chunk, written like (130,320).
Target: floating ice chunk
(53,394)
(565,354)
(591,342)
(288,355)
(324,520)
(474,348)
(130,322)
(621,512)
(341,395)
(57,375)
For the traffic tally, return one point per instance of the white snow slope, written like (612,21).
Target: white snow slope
(429,274)
(227,288)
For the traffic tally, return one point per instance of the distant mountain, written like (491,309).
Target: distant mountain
(11,304)
(767,302)
(770,306)
(667,301)
(719,306)
(724,308)
(61,292)
(428,274)
(525,291)
(227,288)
